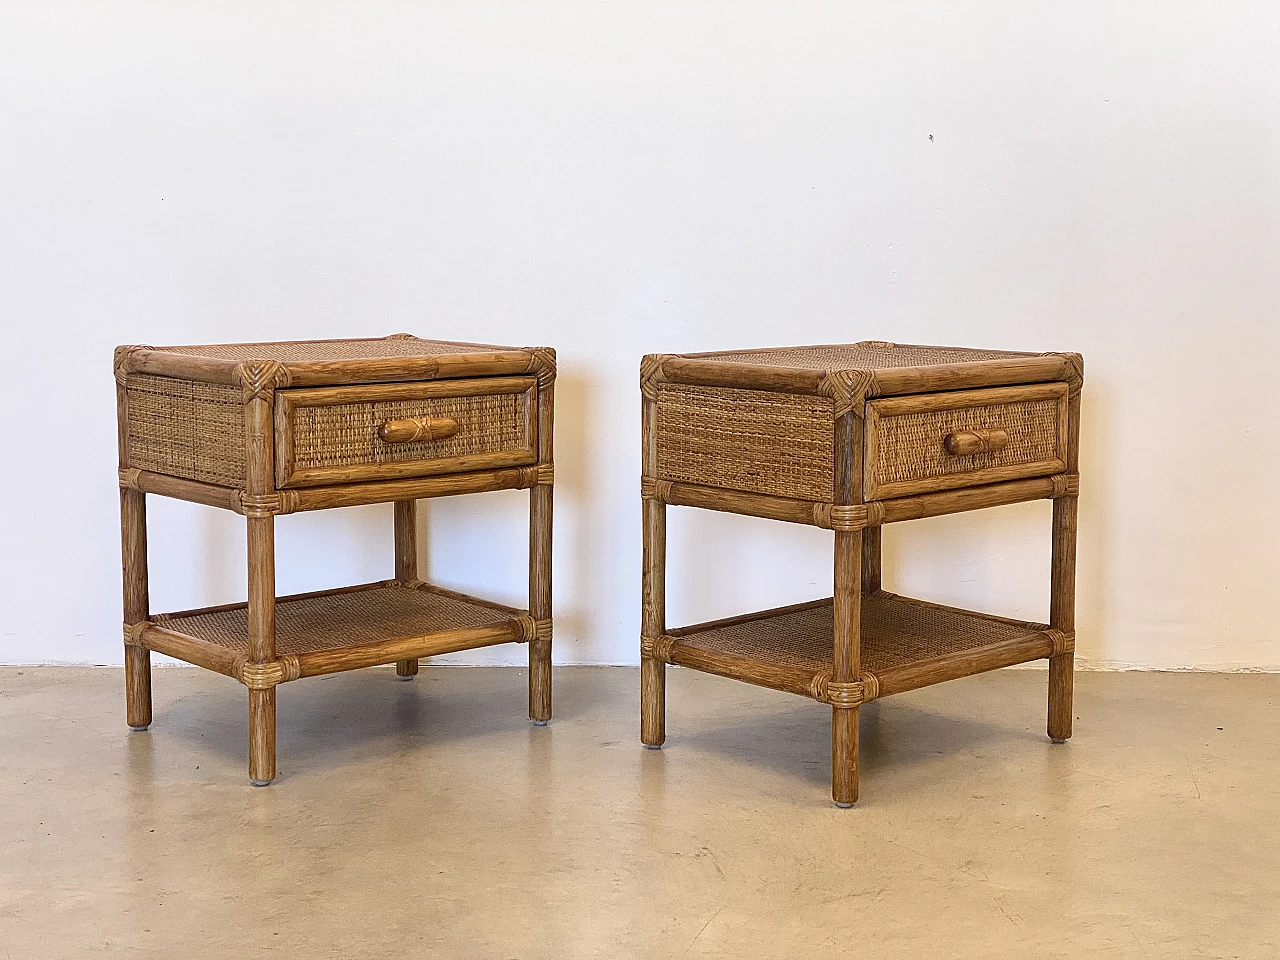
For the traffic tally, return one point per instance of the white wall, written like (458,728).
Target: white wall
(617,178)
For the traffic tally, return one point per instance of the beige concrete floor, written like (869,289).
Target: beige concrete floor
(429,819)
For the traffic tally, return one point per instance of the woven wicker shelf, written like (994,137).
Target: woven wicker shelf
(906,644)
(342,629)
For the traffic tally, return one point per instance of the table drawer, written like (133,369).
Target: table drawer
(354,434)
(942,441)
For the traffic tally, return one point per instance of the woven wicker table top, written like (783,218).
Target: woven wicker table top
(853,372)
(400,357)
(867,355)
(329,351)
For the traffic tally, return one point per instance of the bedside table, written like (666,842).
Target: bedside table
(265,429)
(851,437)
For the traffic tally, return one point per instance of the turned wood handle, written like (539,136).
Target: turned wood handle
(962,443)
(417,428)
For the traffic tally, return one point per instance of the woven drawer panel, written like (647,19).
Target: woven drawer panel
(909,446)
(186,429)
(779,444)
(344,435)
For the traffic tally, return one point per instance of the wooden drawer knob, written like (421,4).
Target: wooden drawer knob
(417,428)
(963,443)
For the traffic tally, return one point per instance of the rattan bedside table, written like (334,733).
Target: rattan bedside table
(850,437)
(265,429)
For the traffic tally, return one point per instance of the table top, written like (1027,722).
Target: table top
(866,355)
(852,372)
(401,356)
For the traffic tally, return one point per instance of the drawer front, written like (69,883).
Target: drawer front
(942,441)
(337,435)
(757,441)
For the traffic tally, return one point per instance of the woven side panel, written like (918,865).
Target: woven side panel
(861,356)
(321,350)
(896,631)
(909,446)
(309,624)
(186,429)
(347,434)
(772,443)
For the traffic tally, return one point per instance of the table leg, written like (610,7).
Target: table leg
(1062,617)
(262,647)
(406,534)
(653,670)
(846,666)
(540,504)
(137,660)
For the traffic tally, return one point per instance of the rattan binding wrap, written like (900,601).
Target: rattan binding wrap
(187,429)
(347,434)
(778,444)
(910,445)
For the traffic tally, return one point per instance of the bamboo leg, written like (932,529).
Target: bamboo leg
(1062,617)
(653,671)
(540,504)
(262,647)
(262,736)
(871,555)
(846,666)
(137,660)
(406,533)
(653,590)
(844,756)
(1062,591)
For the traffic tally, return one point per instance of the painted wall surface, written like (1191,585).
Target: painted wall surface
(618,178)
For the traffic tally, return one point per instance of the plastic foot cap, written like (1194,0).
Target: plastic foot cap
(260,783)
(842,806)
(140,729)
(408,677)
(1057,739)
(653,746)
(538,723)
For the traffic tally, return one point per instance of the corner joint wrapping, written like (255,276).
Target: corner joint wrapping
(656,648)
(845,695)
(264,676)
(652,488)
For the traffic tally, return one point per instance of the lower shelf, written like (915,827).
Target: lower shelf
(344,629)
(905,644)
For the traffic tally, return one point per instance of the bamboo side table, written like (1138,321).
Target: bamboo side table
(266,429)
(850,437)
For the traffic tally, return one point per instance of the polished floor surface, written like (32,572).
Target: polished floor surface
(429,819)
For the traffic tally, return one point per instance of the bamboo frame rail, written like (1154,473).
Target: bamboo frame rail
(178,438)
(964,430)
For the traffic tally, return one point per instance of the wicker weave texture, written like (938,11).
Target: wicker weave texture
(331,350)
(328,622)
(896,632)
(909,446)
(346,434)
(186,429)
(761,442)
(860,356)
